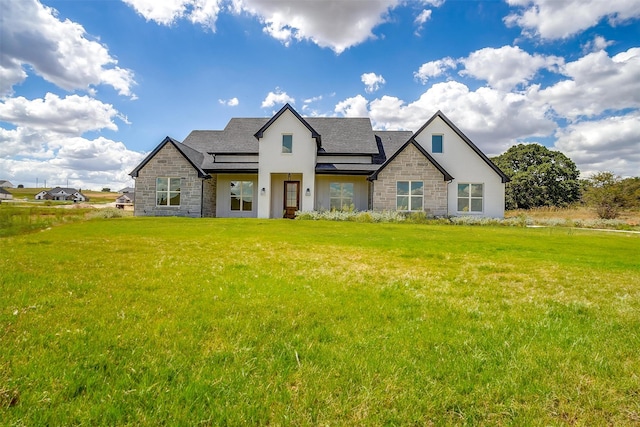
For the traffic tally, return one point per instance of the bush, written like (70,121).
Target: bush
(356,216)
(408,217)
(107,213)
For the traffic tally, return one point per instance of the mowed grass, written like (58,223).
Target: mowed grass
(167,321)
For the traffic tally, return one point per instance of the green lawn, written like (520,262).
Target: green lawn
(167,321)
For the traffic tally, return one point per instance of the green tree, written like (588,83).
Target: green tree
(631,192)
(605,193)
(539,177)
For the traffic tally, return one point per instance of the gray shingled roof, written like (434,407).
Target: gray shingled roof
(231,167)
(392,140)
(345,135)
(356,168)
(57,190)
(339,136)
(195,157)
(237,137)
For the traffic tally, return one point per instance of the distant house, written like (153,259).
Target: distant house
(127,190)
(125,199)
(63,194)
(273,167)
(5,184)
(5,195)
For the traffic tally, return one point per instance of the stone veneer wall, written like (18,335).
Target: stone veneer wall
(209,187)
(168,162)
(411,165)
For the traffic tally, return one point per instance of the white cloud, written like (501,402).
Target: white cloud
(72,115)
(492,118)
(421,19)
(163,12)
(596,83)
(20,142)
(233,102)
(277,97)
(598,43)
(372,82)
(47,143)
(553,19)
(506,67)
(87,164)
(313,99)
(336,24)
(205,13)
(59,51)
(433,69)
(57,158)
(497,116)
(98,155)
(166,12)
(502,68)
(353,107)
(610,144)
(11,73)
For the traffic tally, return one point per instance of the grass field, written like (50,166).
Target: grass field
(168,321)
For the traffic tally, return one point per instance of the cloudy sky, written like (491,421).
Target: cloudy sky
(88,87)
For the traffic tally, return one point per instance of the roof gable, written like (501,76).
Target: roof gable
(57,190)
(194,157)
(445,174)
(462,136)
(287,107)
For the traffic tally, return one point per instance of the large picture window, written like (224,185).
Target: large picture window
(340,195)
(409,195)
(168,191)
(470,197)
(241,195)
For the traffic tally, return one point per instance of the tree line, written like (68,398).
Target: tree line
(541,177)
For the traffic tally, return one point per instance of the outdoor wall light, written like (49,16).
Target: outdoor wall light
(262,191)
(308,192)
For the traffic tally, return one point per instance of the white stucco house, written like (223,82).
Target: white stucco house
(125,199)
(273,167)
(5,195)
(59,193)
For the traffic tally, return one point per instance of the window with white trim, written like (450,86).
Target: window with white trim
(241,195)
(287,143)
(341,196)
(409,195)
(470,197)
(168,191)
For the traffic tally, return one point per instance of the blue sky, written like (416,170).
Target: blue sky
(89,87)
